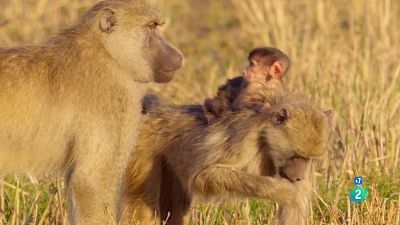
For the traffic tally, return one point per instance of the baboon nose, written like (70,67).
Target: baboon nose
(298,179)
(175,62)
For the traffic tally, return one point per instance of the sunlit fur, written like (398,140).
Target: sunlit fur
(178,157)
(72,104)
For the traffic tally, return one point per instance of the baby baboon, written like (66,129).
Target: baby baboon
(262,78)
(72,104)
(179,157)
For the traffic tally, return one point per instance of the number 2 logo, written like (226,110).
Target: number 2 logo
(358,194)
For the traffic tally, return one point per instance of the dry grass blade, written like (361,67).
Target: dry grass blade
(345,55)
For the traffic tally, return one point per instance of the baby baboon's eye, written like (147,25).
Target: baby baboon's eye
(282,116)
(294,156)
(153,25)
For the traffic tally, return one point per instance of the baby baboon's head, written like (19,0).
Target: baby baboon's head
(128,31)
(299,131)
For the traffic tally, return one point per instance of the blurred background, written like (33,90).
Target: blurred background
(345,56)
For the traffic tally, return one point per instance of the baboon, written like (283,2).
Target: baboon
(294,169)
(72,104)
(261,78)
(178,157)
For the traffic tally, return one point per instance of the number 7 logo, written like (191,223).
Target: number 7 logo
(358,180)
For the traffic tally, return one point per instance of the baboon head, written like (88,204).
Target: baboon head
(128,33)
(298,133)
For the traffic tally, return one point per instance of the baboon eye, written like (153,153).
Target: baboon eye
(153,25)
(282,116)
(253,63)
(294,157)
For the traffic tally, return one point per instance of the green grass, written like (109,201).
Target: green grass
(345,55)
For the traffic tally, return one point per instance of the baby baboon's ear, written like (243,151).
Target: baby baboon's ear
(281,116)
(108,21)
(276,70)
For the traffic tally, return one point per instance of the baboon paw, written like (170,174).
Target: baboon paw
(287,191)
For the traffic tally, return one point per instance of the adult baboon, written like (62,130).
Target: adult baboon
(239,154)
(72,104)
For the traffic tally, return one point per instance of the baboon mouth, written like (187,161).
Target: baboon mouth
(166,74)
(283,175)
(171,68)
(168,71)
(163,77)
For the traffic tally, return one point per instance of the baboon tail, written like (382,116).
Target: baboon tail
(150,102)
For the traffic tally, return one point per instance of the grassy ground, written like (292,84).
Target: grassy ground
(345,55)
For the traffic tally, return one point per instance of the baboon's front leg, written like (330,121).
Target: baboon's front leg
(92,187)
(222,181)
(95,175)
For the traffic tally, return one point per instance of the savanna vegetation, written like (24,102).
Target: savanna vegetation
(345,55)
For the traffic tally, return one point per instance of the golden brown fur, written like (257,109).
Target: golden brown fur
(72,104)
(261,79)
(295,169)
(178,157)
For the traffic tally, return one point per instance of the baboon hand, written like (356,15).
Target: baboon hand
(286,191)
(294,193)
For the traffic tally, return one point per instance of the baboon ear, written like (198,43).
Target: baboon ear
(276,70)
(108,21)
(281,116)
(328,112)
